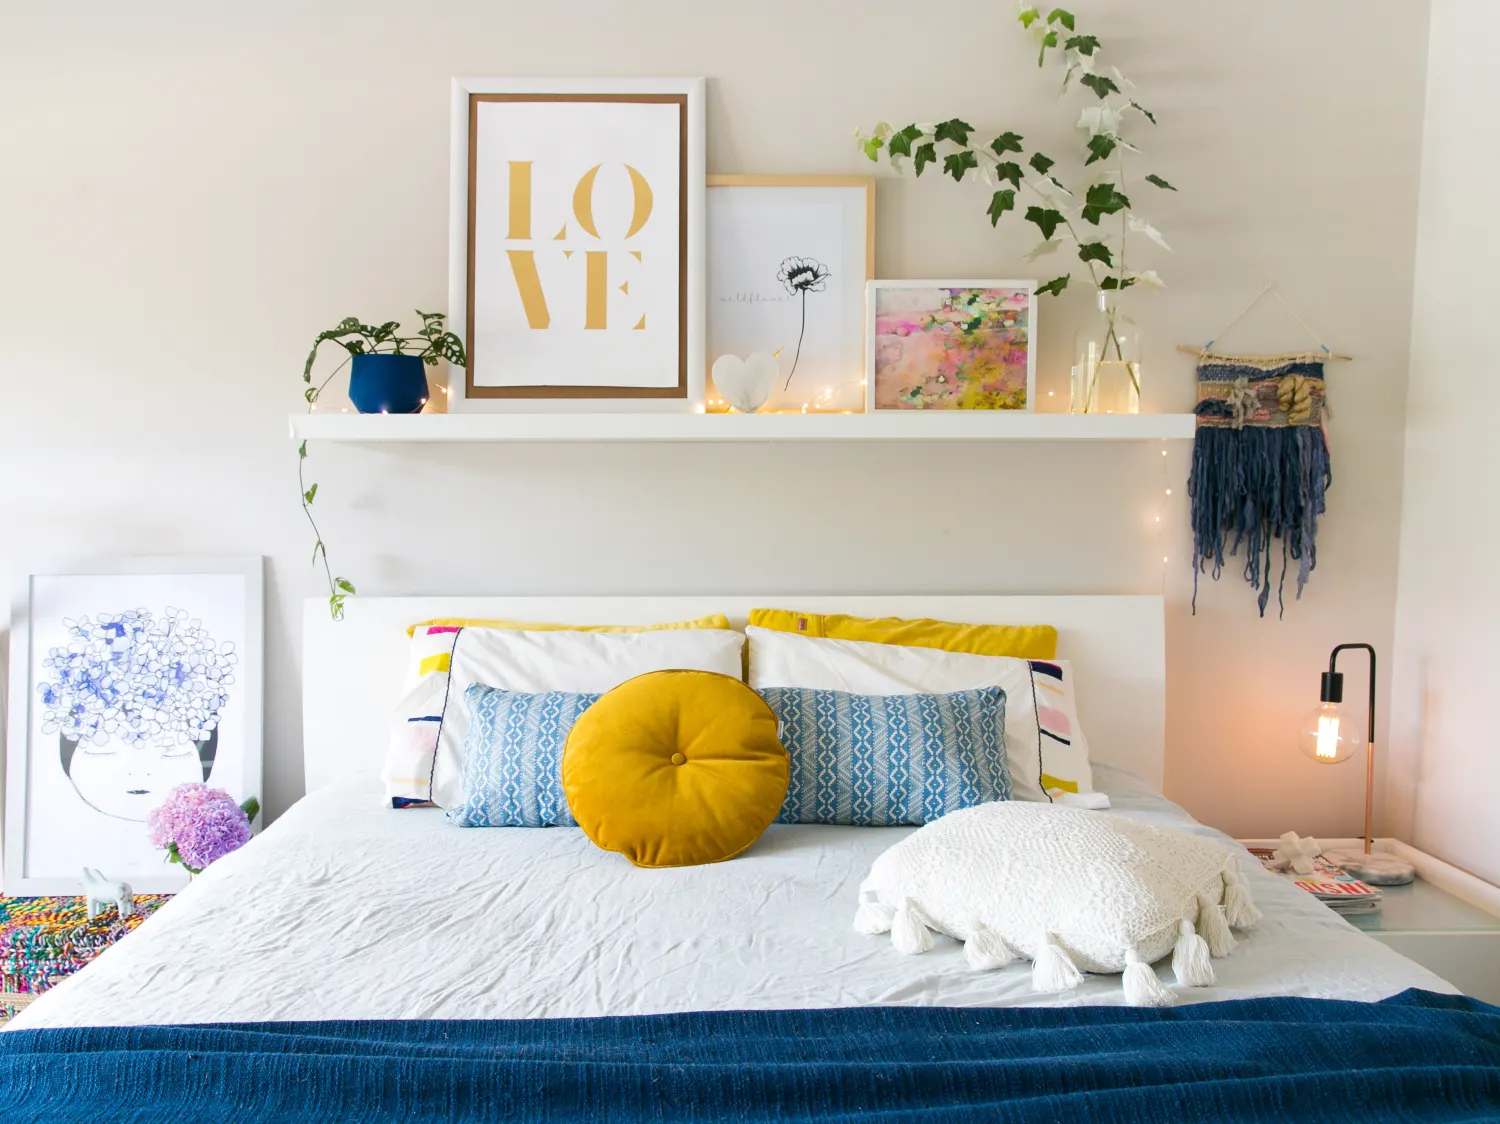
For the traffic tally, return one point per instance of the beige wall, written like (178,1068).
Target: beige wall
(1445,753)
(189,192)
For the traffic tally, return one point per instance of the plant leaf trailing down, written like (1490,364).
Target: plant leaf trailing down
(432,342)
(1098,195)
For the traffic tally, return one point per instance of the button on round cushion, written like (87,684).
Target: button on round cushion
(675,768)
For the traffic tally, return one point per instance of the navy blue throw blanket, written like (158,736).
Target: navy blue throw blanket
(1417,1056)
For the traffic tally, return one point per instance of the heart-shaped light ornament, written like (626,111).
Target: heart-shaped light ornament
(746,383)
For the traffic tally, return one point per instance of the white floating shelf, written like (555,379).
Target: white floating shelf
(892,426)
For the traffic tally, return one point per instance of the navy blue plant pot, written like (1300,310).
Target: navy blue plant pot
(388,384)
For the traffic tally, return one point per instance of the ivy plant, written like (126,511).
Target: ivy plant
(1091,212)
(430,343)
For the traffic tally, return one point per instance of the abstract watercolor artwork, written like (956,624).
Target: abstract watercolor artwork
(129,678)
(962,345)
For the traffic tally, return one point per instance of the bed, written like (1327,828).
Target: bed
(344,920)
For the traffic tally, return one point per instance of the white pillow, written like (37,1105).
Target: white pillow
(1068,889)
(859,667)
(582,662)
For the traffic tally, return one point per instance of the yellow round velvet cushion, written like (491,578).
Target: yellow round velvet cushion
(676,768)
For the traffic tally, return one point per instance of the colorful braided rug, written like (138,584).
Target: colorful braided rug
(44,939)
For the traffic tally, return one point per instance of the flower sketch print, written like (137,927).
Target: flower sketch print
(136,701)
(801,276)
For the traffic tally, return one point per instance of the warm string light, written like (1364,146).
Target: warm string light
(1159,519)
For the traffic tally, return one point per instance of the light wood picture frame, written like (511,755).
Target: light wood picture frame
(576,243)
(789,257)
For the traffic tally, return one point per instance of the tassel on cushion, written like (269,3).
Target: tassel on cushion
(1239,907)
(986,950)
(1142,987)
(1213,928)
(1053,969)
(873,916)
(908,933)
(1190,962)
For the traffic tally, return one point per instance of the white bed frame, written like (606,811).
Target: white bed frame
(352,669)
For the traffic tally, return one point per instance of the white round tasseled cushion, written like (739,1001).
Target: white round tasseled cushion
(1106,889)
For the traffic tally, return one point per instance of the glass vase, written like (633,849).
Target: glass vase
(1106,361)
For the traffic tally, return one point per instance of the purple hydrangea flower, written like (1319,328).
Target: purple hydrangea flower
(204,824)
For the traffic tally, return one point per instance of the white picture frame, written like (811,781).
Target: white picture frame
(549,332)
(900,376)
(757,225)
(66,810)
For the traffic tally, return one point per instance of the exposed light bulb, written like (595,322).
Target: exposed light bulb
(1328,737)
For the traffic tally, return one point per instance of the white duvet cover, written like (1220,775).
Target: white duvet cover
(344,909)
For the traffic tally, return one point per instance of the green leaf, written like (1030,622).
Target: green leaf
(1099,84)
(1116,283)
(1159,182)
(1103,199)
(311,394)
(900,143)
(1100,148)
(925,154)
(1001,202)
(1095,251)
(957,163)
(1083,44)
(1055,286)
(871,147)
(318,546)
(953,130)
(1006,142)
(302,451)
(1062,16)
(1048,40)
(336,606)
(1009,171)
(1029,16)
(1046,220)
(251,808)
(310,494)
(1149,115)
(1043,164)
(343,584)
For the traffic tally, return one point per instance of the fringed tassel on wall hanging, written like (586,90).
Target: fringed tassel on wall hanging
(1260,467)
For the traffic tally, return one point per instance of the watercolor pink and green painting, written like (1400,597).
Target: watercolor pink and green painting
(945,348)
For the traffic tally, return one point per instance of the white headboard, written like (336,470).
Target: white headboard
(352,669)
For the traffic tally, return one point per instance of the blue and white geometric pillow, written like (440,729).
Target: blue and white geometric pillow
(512,768)
(884,760)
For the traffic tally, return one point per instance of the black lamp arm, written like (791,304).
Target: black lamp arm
(1333,680)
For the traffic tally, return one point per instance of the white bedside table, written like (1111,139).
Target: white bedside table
(1445,934)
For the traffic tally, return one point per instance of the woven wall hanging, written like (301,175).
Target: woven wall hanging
(1260,468)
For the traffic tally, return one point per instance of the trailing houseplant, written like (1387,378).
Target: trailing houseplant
(386,377)
(1088,210)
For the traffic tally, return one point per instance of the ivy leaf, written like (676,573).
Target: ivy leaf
(1149,115)
(900,143)
(344,584)
(925,154)
(1141,226)
(1048,40)
(1100,148)
(1009,171)
(871,147)
(1006,142)
(317,547)
(1001,202)
(1029,16)
(1159,182)
(1057,183)
(1083,44)
(1116,283)
(1046,220)
(957,163)
(309,495)
(1059,15)
(1095,251)
(1042,249)
(954,130)
(1055,286)
(1099,84)
(1042,164)
(1103,199)
(302,451)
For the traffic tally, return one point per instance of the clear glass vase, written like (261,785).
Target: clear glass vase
(1106,362)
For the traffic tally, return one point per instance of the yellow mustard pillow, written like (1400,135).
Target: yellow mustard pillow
(1026,642)
(713,620)
(675,768)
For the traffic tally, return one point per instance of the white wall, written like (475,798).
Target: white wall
(1446,754)
(189,192)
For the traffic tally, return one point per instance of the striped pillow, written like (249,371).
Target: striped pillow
(512,767)
(883,760)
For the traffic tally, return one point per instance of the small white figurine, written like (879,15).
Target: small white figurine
(1298,854)
(101,891)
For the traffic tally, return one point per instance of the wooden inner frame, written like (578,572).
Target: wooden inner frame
(678,391)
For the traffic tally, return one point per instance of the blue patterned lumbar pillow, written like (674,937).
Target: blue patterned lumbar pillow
(512,768)
(882,760)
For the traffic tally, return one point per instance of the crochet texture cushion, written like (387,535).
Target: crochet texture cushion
(1071,890)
